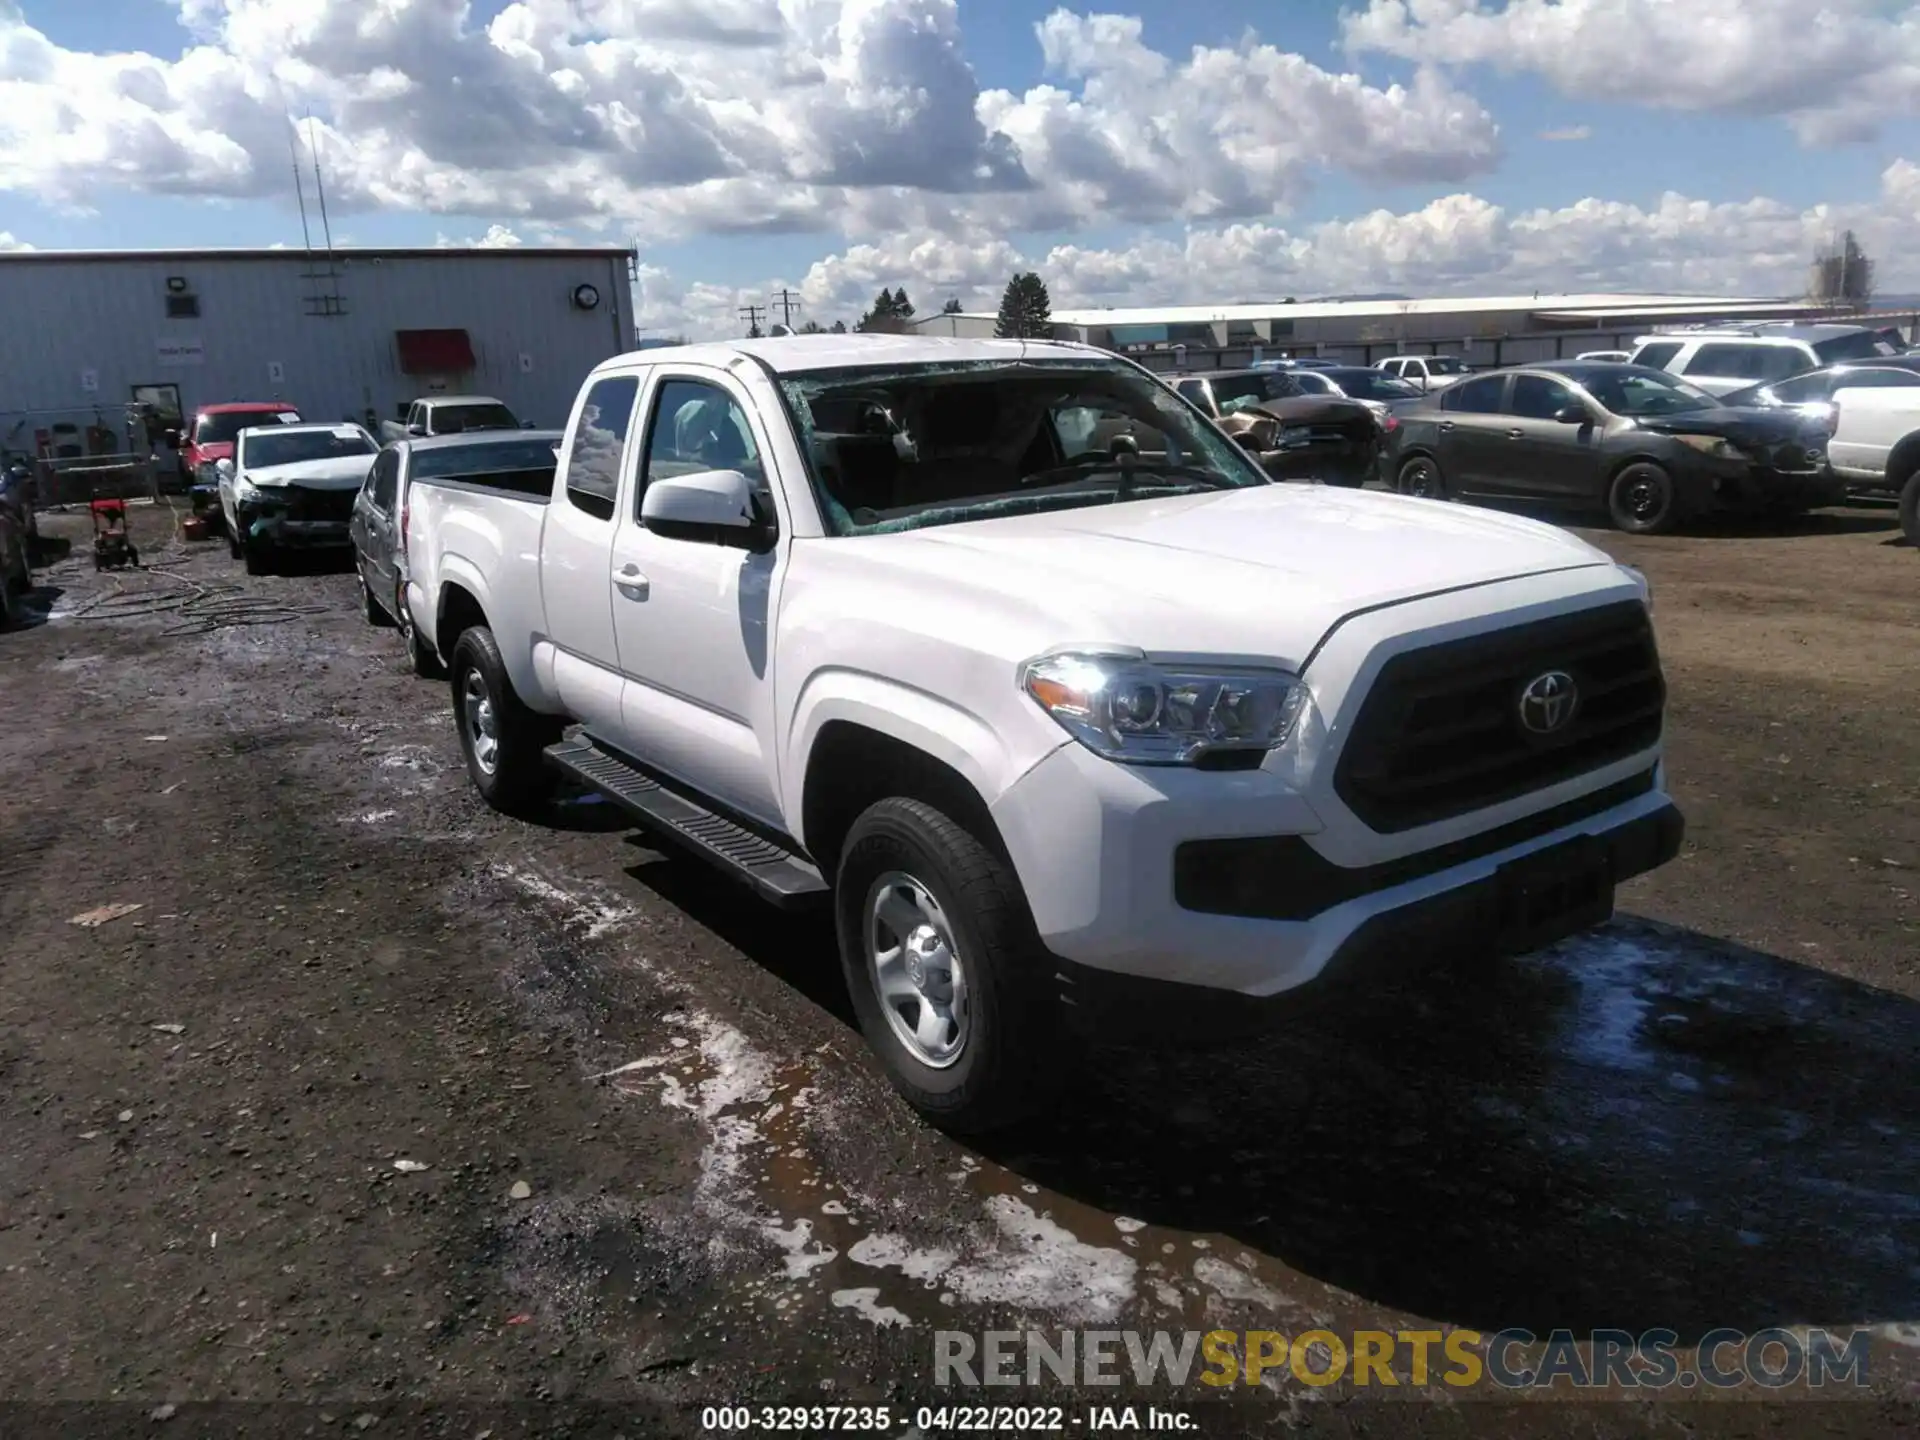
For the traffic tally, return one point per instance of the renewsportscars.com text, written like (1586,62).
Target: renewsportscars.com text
(1774,1359)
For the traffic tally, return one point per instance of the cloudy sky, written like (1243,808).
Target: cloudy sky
(1168,150)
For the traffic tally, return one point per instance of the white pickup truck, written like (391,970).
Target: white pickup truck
(452,415)
(1067,738)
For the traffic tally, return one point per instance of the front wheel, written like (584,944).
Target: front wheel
(1910,509)
(946,974)
(259,557)
(502,741)
(1642,500)
(1420,477)
(370,607)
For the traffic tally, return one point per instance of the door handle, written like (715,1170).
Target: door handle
(1445,425)
(1516,434)
(630,582)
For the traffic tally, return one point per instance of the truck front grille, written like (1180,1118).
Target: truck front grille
(1441,732)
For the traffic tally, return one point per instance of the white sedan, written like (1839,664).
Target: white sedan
(291,486)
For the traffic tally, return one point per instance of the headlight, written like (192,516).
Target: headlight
(1713,446)
(1126,709)
(1646,585)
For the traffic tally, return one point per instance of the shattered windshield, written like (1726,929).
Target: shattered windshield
(903,447)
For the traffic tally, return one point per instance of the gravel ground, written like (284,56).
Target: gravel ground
(381,1101)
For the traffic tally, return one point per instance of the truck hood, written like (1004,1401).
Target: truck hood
(345,472)
(1263,572)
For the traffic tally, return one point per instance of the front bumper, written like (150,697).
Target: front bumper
(1459,925)
(1099,846)
(1742,486)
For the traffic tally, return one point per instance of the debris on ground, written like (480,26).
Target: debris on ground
(95,918)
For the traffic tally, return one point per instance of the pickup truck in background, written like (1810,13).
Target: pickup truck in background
(452,415)
(1069,741)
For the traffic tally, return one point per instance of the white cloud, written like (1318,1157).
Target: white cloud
(498,237)
(1458,244)
(9,242)
(676,117)
(1837,70)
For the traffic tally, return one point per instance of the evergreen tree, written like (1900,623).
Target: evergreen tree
(1025,311)
(839,327)
(902,306)
(952,307)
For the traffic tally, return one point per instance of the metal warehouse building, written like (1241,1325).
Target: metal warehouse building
(1487,330)
(337,333)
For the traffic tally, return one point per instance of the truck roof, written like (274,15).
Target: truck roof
(247,407)
(458,400)
(791,354)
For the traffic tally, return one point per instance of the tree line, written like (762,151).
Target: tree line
(1026,312)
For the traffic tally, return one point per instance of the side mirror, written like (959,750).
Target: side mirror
(528,425)
(1573,415)
(223,469)
(1247,440)
(414,427)
(702,500)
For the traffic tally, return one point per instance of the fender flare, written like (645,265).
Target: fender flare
(929,723)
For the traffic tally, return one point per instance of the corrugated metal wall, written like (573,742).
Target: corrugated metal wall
(83,330)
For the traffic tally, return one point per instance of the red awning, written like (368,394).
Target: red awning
(434,352)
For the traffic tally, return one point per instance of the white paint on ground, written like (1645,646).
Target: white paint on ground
(1230,1282)
(1041,1265)
(804,1256)
(593,915)
(1611,973)
(896,1252)
(864,1301)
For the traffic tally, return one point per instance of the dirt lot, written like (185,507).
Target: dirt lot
(660,1173)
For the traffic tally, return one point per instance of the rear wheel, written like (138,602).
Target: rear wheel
(1420,477)
(948,978)
(1642,500)
(420,655)
(501,739)
(1910,509)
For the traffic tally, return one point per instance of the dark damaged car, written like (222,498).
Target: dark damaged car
(1294,436)
(1646,447)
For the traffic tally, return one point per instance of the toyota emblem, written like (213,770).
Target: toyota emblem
(1548,702)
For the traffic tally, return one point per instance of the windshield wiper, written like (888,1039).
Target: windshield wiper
(1094,463)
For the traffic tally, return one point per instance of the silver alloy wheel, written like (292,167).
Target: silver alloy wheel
(481,730)
(916,969)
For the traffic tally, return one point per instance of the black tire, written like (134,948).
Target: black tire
(1910,509)
(1642,499)
(420,655)
(10,609)
(1421,477)
(515,779)
(259,557)
(370,607)
(1007,1052)
(233,537)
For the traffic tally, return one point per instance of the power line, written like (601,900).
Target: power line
(788,303)
(751,314)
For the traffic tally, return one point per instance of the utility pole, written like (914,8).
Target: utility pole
(788,303)
(751,314)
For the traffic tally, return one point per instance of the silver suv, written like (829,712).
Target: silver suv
(1723,358)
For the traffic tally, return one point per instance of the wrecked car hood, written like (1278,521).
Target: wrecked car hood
(341,472)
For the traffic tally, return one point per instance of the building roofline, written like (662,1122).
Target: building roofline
(339,253)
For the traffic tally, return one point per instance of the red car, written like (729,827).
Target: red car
(210,437)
